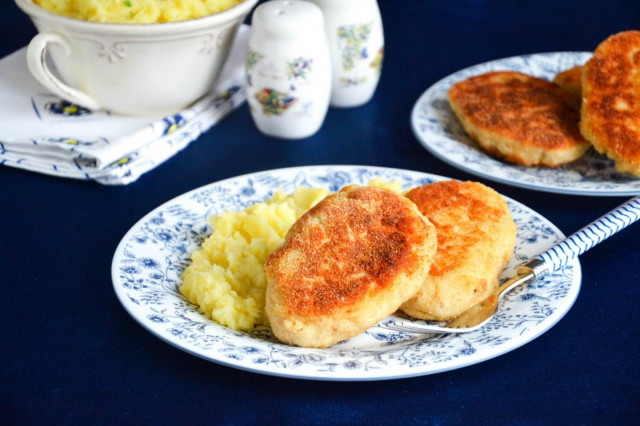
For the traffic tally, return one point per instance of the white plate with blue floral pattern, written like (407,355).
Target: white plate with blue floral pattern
(439,131)
(150,258)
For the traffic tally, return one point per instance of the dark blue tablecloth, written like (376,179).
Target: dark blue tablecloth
(70,354)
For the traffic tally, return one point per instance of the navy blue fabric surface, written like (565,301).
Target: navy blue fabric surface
(70,354)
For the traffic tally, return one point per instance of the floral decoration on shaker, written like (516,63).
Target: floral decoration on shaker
(376,64)
(273,101)
(298,68)
(352,42)
(253,59)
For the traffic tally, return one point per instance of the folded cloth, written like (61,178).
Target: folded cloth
(43,133)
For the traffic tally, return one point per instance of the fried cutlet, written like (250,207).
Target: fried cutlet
(347,263)
(519,118)
(610,116)
(571,81)
(476,238)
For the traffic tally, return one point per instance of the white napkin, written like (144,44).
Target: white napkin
(41,133)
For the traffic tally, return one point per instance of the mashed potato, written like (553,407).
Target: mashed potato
(135,11)
(226,277)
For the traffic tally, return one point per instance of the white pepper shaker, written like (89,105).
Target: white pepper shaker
(288,69)
(356,42)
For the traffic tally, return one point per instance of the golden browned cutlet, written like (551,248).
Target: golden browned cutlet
(519,118)
(571,81)
(346,264)
(476,238)
(610,116)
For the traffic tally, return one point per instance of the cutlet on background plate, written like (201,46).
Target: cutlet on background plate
(610,116)
(519,118)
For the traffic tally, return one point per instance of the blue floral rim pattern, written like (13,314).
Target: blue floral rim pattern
(439,131)
(150,258)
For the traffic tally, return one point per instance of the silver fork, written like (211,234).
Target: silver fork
(551,260)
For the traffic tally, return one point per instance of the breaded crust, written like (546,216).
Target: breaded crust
(571,81)
(476,238)
(519,118)
(346,264)
(610,116)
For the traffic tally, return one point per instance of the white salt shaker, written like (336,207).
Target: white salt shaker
(356,42)
(288,69)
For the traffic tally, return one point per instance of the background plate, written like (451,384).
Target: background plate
(439,131)
(150,258)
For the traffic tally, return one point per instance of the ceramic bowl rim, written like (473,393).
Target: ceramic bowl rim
(161,28)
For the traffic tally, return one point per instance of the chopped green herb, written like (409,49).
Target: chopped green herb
(127,3)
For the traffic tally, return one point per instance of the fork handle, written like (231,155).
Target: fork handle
(586,238)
